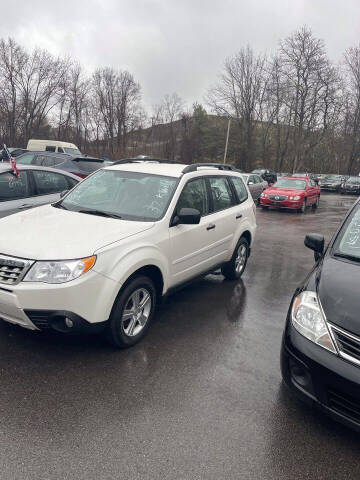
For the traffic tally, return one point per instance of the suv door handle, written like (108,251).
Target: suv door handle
(238,216)
(211,227)
(24,206)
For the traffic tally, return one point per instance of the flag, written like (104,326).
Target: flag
(10,158)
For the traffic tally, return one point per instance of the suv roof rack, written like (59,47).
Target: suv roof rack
(142,158)
(219,166)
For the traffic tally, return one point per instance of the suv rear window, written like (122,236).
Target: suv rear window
(240,189)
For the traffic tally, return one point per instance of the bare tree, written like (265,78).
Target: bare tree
(117,97)
(311,86)
(351,127)
(240,94)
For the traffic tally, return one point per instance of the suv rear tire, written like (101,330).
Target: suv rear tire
(233,269)
(132,313)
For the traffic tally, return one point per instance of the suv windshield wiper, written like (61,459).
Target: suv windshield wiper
(100,213)
(347,256)
(59,205)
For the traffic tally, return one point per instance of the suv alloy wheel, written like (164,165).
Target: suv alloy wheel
(236,266)
(132,313)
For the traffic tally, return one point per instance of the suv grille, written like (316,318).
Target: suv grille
(344,404)
(278,197)
(13,270)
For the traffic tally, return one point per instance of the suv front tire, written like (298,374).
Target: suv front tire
(233,269)
(132,313)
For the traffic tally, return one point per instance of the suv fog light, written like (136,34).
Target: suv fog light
(69,323)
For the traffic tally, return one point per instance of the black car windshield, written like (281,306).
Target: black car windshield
(353,180)
(347,243)
(290,183)
(129,195)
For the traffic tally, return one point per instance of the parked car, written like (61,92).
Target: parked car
(351,185)
(15,152)
(292,193)
(256,185)
(53,146)
(120,240)
(35,186)
(283,174)
(268,175)
(300,175)
(320,355)
(78,165)
(332,182)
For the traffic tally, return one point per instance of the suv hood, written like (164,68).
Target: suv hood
(48,233)
(338,291)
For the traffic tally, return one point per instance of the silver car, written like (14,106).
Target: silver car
(256,185)
(36,186)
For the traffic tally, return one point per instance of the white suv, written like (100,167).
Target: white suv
(104,255)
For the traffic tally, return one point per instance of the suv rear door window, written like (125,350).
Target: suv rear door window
(49,182)
(194,195)
(12,188)
(50,148)
(222,196)
(240,189)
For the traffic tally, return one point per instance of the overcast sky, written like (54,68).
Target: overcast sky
(173,45)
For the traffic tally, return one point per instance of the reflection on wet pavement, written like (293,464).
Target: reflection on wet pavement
(199,398)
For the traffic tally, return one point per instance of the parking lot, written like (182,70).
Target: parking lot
(199,398)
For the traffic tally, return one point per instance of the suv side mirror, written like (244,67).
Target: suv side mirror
(187,216)
(315,242)
(63,193)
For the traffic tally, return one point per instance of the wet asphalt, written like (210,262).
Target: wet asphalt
(199,398)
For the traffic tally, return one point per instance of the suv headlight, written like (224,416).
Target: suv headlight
(59,271)
(308,319)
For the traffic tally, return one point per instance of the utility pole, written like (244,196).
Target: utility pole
(227,140)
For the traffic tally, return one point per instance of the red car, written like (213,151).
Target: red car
(293,193)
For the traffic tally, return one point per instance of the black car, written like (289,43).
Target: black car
(268,175)
(320,356)
(332,182)
(351,185)
(81,166)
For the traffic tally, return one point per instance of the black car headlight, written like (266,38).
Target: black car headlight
(309,320)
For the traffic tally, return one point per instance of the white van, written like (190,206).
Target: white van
(52,146)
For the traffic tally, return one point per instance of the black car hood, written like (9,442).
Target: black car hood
(339,293)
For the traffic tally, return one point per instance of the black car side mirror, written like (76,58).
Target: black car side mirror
(63,193)
(187,216)
(315,242)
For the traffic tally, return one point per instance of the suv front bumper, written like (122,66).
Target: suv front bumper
(86,301)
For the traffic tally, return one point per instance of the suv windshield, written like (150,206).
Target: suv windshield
(129,195)
(348,241)
(289,183)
